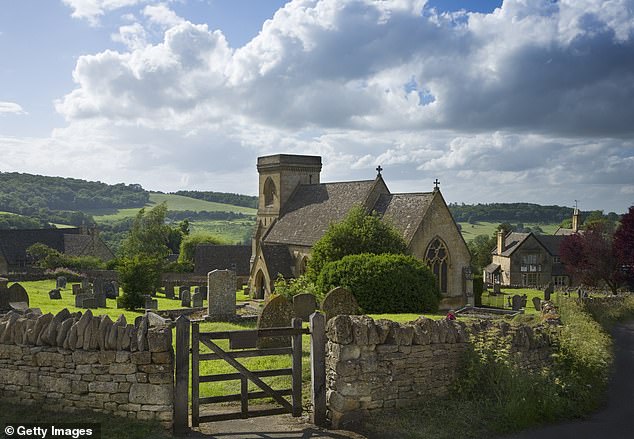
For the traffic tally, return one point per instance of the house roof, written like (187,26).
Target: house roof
(492,268)
(551,242)
(13,243)
(208,257)
(86,245)
(404,211)
(312,208)
(513,240)
(278,260)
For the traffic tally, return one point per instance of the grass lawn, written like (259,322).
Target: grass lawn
(502,300)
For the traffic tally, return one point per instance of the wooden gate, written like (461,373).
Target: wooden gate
(244,344)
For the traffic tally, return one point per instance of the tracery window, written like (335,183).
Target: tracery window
(437,258)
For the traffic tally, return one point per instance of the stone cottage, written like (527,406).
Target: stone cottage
(295,210)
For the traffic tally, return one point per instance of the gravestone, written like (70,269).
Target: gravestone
(85,283)
(89,302)
(4,295)
(60,282)
(203,292)
(550,289)
(17,294)
(150,303)
(496,289)
(186,300)
(76,289)
(197,299)
(110,290)
(537,302)
(182,290)
(339,301)
(516,302)
(98,286)
(221,287)
(100,299)
(195,290)
(169,291)
(55,294)
(277,313)
(304,305)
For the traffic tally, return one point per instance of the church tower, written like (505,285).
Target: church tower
(279,175)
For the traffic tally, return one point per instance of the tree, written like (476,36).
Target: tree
(624,245)
(590,257)
(139,275)
(189,243)
(149,235)
(359,232)
(480,248)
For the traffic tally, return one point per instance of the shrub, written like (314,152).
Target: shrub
(292,287)
(386,283)
(139,276)
(70,275)
(189,243)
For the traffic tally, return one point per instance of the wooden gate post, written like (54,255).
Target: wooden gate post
(318,367)
(296,344)
(181,390)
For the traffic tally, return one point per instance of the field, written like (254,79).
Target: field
(470,231)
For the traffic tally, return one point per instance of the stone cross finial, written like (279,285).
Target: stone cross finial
(436,184)
(379,169)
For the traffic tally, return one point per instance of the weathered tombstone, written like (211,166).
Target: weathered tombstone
(85,283)
(516,302)
(523,301)
(110,291)
(89,302)
(60,282)
(169,290)
(17,294)
(496,289)
(537,302)
(550,289)
(150,303)
(195,290)
(100,299)
(98,286)
(182,290)
(76,289)
(339,301)
(55,294)
(277,313)
(79,299)
(221,295)
(186,300)
(304,305)
(203,292)
(197,300)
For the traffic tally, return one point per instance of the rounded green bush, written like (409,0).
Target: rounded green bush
(386,283)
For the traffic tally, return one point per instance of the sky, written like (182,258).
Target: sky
(502,101)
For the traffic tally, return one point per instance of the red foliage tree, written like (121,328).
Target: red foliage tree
(624,245)
(591,258)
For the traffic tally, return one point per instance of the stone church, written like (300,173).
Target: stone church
(295,210)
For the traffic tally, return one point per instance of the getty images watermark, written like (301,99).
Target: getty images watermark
(52,431)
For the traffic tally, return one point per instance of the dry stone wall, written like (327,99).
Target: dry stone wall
(83,362)
(376,365)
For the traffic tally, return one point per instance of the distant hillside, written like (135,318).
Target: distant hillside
(222,197)
(510,212)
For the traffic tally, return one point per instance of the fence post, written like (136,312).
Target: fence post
(318,367)
(296,344)
(181,391)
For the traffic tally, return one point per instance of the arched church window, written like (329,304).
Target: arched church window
(270,192)
(437,258)
(303,265)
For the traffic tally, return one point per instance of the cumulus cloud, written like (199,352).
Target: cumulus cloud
(531,90)
(11,108)
(91,10)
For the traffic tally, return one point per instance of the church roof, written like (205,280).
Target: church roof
(86,245)
(312,208)
(278,260)
(404,211)
(209,257)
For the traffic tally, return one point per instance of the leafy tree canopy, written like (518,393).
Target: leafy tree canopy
(359,232)
(149,235)
(189,243)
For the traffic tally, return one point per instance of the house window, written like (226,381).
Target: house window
(556,260)
(270,192)
(530,279)
(437,258)
(529,264)
(560,281)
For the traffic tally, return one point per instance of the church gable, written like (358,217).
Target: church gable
(404,211)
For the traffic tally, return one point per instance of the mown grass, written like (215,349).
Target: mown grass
(494,396)
(502,300)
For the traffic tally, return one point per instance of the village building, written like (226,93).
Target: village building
(209,257)
(295,210)
(79,241)
(530,260)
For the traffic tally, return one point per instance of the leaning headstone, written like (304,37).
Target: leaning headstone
(550,289)
(304,305)
(339,301)
(60,282)
(182,290)
(197,300)
(537,302)
(516,302)
(221,295)
(169,291)
(203,292)
(55,294)
(186,300)
(17,294)
(151,303)
(109,290)
(76,289)
(277,313)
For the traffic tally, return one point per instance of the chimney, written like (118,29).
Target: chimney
(575,220)
(501,243)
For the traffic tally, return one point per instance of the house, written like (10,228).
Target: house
(295,210)
(209,257)
(80,241)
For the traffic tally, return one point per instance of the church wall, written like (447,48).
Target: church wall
(439,222)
